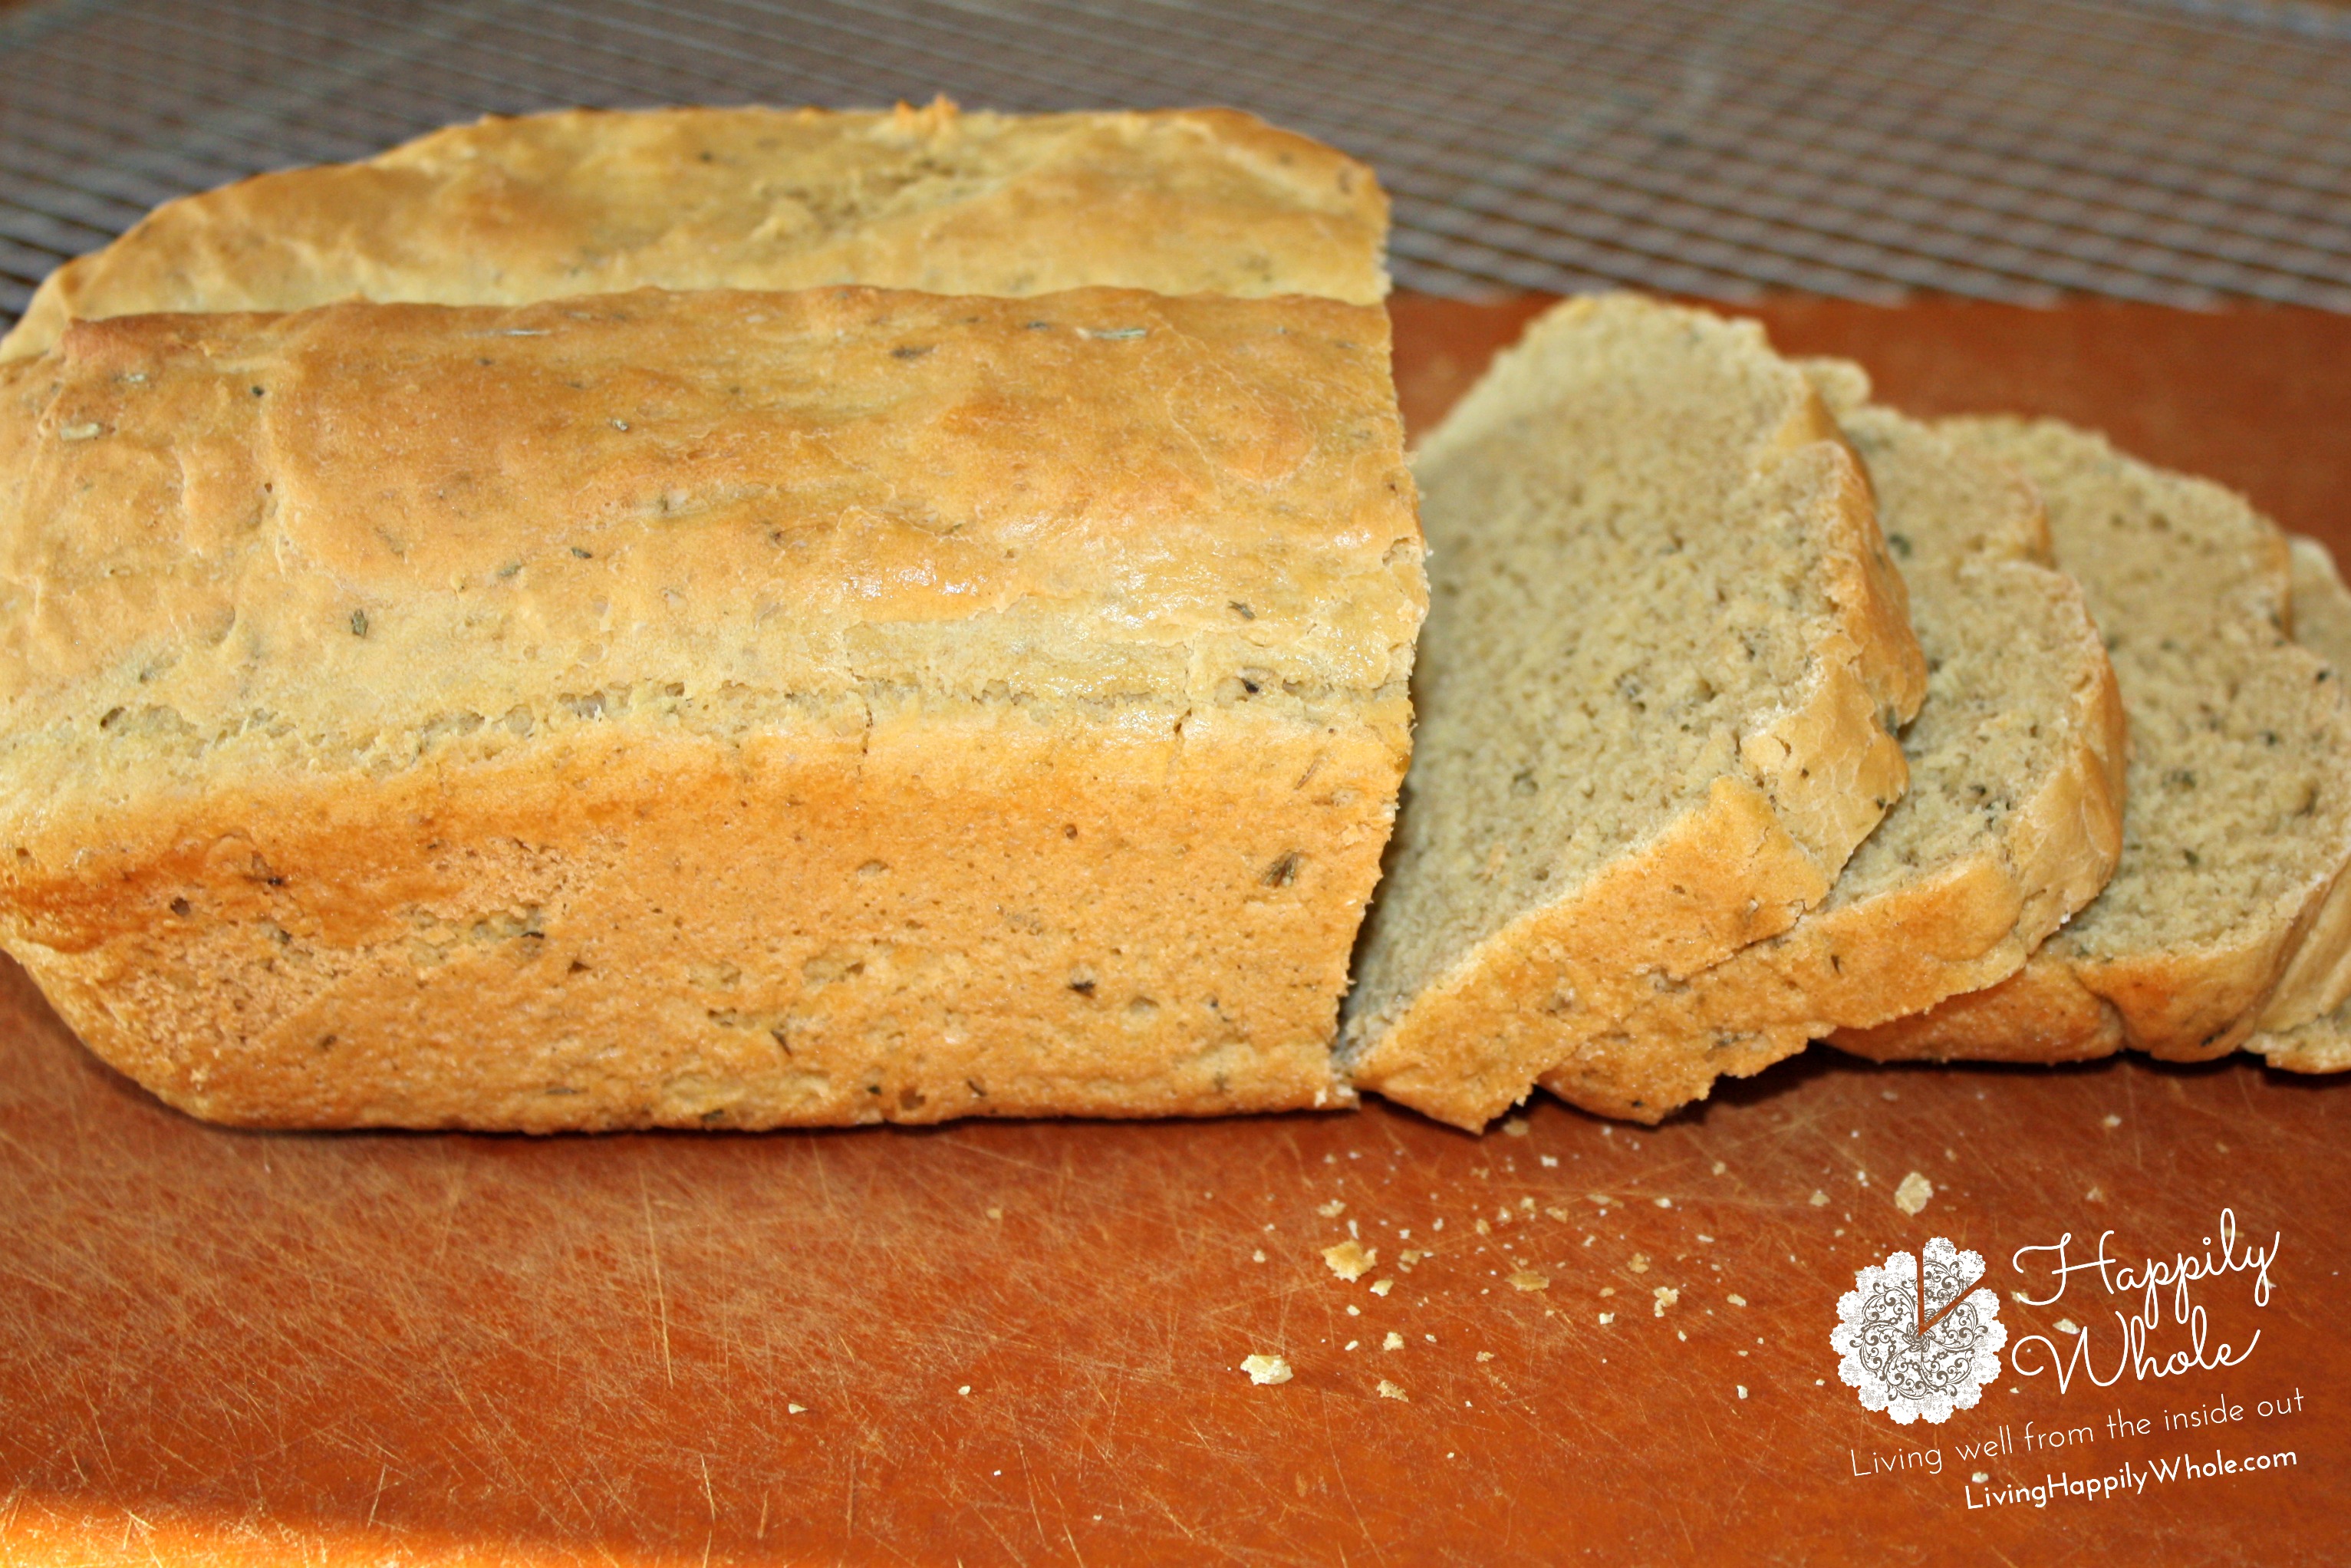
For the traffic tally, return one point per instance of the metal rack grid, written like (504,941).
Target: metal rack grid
(2190,152)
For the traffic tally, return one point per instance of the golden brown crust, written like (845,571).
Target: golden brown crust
(1010,726)
(945,913)
(2040,1013)
(507,211)
(380,516)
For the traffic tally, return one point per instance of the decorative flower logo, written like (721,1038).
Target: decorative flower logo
(1914,1353)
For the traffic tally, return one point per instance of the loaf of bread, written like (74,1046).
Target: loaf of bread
(2012,820)
(587,201)
(1665,661)
(2223,918)
(717,708)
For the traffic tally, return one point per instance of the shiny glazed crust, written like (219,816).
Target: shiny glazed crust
(594,201)
(892,706)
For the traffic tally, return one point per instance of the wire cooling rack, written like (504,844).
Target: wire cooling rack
(2191,151)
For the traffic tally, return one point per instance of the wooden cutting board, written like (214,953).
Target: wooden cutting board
(1021,1341)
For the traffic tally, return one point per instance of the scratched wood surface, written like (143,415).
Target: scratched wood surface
(1019,1343)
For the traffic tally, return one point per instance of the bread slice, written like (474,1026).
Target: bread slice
(2012,823)
(593,200)
(2239,822)
(705,709)
(2322,622)
(1665,659)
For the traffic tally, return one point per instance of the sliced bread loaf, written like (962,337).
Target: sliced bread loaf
(1658,685)
(2014,817)
(507,211)
(2321,624)
(2239,810)
(705,709)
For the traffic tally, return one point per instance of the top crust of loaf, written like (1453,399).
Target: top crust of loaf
(2014,817)
(329,540)
(507,211)
(2222,916)
(1620,778)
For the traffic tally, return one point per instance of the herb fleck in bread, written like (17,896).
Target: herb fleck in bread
(2012,823)
(590,201)
(705,709)
(2239,819)
(1664,660)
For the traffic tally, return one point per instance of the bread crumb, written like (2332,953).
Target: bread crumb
(1262,1369)
(1558,1214)
(1607,1318)
(1354,1343)
(1485,1356)
(1737,1300)
(1640,1263)
(1393,1342)
(1392,1391)
(1665,1202)
(1528,1279)
(1382,1287)
(1429,1337)
(2110,1120)
(1719,1168)
(964,1389)
(794,1409)
(995,1214)
(1602,1199)
(1515,1127)
(1607,1290)
(2095,1195)
(1349,1260)
(1257,1256)
(2067,1325)
(1408,1257)
(1354,1310)
(1819,1198)
(1742,1389)
(1912,1196)
(1666,1296)
(1484,1229)
(1550,1162)
(1333,1209)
